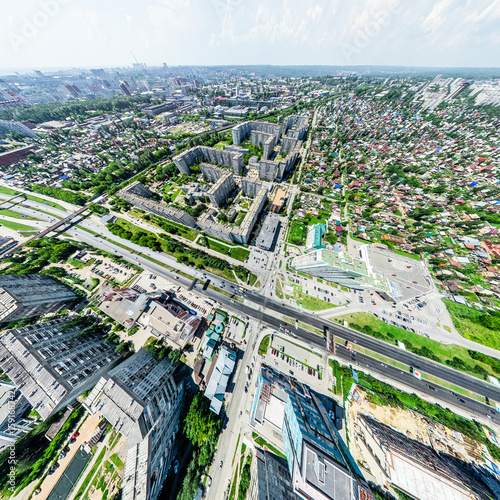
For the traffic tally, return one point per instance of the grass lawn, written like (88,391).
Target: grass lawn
(15,215)
(234,252)
(16,226)
(311,303)
(240,218)
(315,220)
(252,279)
(13,192)
(155,220)
(415,342)
(297,233)
(264,345)
(262,442)
(406,254)
(465,321)
(279,290)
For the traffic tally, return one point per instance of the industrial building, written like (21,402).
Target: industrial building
(52,363)
(157,312)
(268,231)
(341,269)
(142,400)
(319,462)
(30,295)
(138,195)
(415,468)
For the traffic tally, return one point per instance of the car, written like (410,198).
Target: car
(221,464)
(290,371)
(62,455)
(53,469)
(241,413)
(74,437)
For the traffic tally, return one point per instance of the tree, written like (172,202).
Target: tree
(200,422)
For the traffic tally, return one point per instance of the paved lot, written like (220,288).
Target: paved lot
(235,329)
(409,274)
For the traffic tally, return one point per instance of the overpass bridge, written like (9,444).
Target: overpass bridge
(60,223)
(21,196)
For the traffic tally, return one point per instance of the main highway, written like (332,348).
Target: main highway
(271,312)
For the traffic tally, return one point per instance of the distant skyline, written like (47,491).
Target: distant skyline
(40,34)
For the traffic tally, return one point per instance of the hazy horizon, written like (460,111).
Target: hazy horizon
(87,34)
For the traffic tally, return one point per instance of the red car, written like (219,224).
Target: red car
(73,437)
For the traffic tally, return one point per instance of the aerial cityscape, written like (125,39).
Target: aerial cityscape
(250,250)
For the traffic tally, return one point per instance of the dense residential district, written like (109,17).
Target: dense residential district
(226,283)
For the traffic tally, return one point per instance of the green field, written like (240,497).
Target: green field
(264,345)
(297,233)
(451,355)
(466,322)
(13,192)
(308,302)
(16,226)
(234,252)
(15,215)
(155,220)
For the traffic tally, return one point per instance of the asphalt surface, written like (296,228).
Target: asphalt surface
(359,361)
(267,308)
(379,346)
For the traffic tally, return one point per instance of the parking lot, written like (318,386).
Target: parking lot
(257,259)
(322,291)
(235,330)
(408,274)
(108,269)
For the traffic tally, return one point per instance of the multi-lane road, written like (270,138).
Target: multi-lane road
(270,311)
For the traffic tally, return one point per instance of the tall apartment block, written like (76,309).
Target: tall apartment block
(52,363)
(143,401)
(319,464)
(139,195)
(194,156)
(222,190)
(340,268)
(29,295)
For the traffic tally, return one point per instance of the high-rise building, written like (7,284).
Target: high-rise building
(29,295)
(143,401)
(52,363)
(418,470)
(341,269)
(319,463)
(270,479)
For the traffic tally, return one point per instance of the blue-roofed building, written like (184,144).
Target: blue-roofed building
(319,462)
(320,465)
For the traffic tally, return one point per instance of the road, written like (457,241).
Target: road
(264,308)
(447,396)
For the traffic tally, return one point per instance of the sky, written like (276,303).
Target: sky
(37,34)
